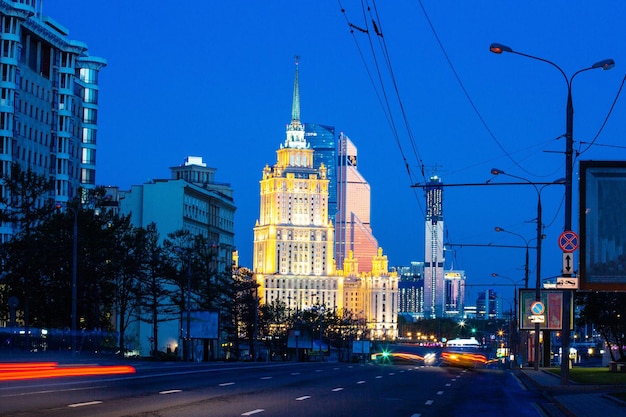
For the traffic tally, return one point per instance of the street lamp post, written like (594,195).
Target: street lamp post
(496,171)
(605,64)
(515,344)
(74,279)
(527,243)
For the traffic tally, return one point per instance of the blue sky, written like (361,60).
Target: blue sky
(214,79)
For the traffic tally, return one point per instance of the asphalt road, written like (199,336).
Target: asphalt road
(285,389)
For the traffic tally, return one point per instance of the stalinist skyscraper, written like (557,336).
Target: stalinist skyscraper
(293,237)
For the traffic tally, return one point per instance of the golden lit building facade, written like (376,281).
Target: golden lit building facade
(294,243)
(293,238)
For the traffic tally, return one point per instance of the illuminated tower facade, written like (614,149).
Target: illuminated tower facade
(434,258)
(293,237)
(352,222)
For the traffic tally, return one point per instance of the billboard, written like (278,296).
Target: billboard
(602,263)
(553,314)
(202,324)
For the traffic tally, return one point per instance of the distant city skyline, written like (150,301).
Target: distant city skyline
(214,80)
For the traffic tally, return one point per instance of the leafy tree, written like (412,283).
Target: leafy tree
(27,201)
(128,258)
(607,312)
(274,323)
(157,296)
(244,313)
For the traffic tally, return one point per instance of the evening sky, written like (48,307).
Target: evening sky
(214,79)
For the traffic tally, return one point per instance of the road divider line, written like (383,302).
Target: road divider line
(429,402)
(360,382)
(84,404)
(225,384)
(171,391)
(266,377)
(249,413)
(304,397)
(439,392)
(337,389)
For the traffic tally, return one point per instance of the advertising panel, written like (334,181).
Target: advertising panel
(602,226)
(552,317)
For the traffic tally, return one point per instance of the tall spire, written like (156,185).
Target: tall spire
(295,129)
(295,105)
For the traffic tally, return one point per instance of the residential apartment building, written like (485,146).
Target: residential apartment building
(190,200)
(48,102)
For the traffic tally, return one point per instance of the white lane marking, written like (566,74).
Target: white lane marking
(22,394)
(225,384)
(84,404)
(318,370)
(304,397)
(379,376)
(439,392)
(350,367)
(448,385)
(249,413)
(360,382)
(429,402)
(453,379)
(335,369)
(392,373)
(295,373)
(337,389)
(416,415)
(266,377)
(172,391)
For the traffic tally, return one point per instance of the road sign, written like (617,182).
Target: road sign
(537,308)
(568,241)
(567,283)
(568,263)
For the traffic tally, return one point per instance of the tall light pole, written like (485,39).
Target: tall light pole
(527,242)
(496,171)
(605,64)
(515,343)
(74,278)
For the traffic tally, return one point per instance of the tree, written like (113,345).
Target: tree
(25,202)
(157,296)
(244,313)
(129,273)
(607,312)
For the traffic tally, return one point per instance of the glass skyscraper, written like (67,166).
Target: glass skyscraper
(353,232)
(322,140)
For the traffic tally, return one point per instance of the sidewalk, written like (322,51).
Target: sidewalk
(576,400)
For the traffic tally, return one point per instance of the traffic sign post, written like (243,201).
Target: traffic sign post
(568,241)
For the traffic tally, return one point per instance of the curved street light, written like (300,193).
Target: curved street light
(515,343)
(496,171)
(527,243)
(605,64)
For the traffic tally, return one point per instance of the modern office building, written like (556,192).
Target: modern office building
(190,200)
(48,101)
(434,254)
(293,259)
(411,290)
(454,293)
(321,139)
(352,222)
(487,305)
